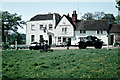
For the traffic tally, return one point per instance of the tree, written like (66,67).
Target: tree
(118,4)
(98,15)
(110,17)
(10,22)
(117,19)
(88,16)
(20,38)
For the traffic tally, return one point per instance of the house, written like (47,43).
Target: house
(58,30)
(40,27)
(115,33)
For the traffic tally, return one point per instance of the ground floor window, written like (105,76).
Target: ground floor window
(32,38)
(41,38)
(64,39)
(59,39)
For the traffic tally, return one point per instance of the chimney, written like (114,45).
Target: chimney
(74,16)
(68,14)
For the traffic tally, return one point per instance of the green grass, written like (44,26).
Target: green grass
(84,63)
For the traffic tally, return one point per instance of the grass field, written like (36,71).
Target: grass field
(84,63)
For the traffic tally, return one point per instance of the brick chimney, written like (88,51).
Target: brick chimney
(68,14)
(74,16)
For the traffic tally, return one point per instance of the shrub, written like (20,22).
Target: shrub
(116,44)
(5,46)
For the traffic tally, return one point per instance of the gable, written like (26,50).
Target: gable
(64,22)
(64,28)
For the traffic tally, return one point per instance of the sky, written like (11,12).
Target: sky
(32,8)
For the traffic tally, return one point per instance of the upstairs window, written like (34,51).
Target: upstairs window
(82,31)
(99,32)
(33,27)
(50,26)
(59,39)
(41,26)
(64,29)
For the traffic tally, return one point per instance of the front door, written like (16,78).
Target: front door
(69,41)
(50,39)
(112,39)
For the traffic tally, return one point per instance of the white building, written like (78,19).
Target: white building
(57,30)
(41,27)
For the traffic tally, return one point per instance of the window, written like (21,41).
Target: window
(41,26)
(33,27)
(59,39)
(41,38)
(64,39)
(50,26)
(98,32)
(32,38)
(101,32)
(82,31)
(64,29)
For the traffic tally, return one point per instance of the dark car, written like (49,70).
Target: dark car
(38,46)
(91,41)
(35,46)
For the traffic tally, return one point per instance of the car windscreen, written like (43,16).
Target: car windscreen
(33,44)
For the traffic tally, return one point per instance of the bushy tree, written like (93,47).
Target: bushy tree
(19,37)
(110,17)
(118,4)
(96,15)
(10,22)
(99,15)
(88,16)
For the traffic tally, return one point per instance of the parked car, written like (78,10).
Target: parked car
(91,41)
(38,46)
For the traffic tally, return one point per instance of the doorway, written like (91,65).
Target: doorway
(112,39)
(69,41)
(50,39)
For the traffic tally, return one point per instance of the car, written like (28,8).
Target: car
(35,46)
(38,46)
(90,41)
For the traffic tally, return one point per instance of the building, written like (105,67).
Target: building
(115,33)
(40,27)
(58,30)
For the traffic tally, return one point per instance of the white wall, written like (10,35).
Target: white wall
(64,23)
(37,32)
(75,40)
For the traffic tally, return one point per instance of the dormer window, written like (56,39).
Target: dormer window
(99,32)
(82,31)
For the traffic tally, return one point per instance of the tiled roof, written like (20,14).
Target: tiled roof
(115,28)
(43,17)
(92,25)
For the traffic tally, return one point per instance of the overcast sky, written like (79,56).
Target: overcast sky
(29,8)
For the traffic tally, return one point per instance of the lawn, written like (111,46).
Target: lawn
(84,63)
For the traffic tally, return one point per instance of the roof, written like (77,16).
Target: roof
(44,17)
(92,25)
(69,19)
(115,28)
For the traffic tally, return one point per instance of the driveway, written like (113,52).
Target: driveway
(72,47)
